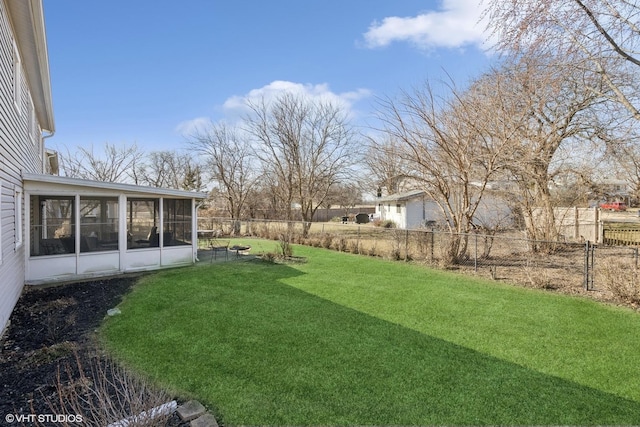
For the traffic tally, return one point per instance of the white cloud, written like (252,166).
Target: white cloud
(456,24)
(276,88)
(191,127)
(235,107)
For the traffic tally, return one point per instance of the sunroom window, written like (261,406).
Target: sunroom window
(98,224)
(177,222)
(52,225)
(143,223)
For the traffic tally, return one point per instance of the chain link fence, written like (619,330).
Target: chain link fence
(605,272)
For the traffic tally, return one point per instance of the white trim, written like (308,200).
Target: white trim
(27,19)
(18,207)
(1,248)
(129,189)
(17,79)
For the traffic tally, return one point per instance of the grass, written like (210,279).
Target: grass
(346,339)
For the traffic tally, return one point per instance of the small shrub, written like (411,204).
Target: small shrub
(354,247)
(104,393)
(537,276)
(315,242)
(327,241)
(622,279)
(284,241)
(372,250)
(341,244)
(387,223)
(270,257)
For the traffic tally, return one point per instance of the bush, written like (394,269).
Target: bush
(341,245)
(327,241)
(622,279)
(104,393)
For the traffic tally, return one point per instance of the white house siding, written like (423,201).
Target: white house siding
(412,211)
(20,151)
(415,213)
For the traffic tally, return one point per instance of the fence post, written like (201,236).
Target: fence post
(432,243)
(475,258)
(406,245)
(589,258)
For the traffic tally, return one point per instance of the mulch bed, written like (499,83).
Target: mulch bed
(51,328)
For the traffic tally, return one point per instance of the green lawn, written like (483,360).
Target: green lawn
(346,339)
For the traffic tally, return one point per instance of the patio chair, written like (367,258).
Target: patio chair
(217,245)
(151,240)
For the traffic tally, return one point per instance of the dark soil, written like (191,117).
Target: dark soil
(51,328)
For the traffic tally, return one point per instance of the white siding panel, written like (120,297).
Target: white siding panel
(18,154)
(172,257)
(52,267)
(99,263)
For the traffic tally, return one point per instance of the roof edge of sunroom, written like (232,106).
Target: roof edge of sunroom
(64,181)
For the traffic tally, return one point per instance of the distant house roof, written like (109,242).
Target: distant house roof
(98,185)
(398,197)
(27,18)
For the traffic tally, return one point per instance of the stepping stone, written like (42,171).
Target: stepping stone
(206,420)
(191,410)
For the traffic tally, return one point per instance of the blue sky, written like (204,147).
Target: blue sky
(147,71)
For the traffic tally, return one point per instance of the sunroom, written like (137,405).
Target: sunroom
(83,229)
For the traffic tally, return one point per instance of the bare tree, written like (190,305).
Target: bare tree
(543,105)
(229,158)
(112,164)
(601,36)
(169,169)
(347,196)
(623,162)
(386,167)
(306,146)
(447,154)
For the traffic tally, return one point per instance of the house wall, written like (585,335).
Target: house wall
(20,151)
(389,211)
(413,213)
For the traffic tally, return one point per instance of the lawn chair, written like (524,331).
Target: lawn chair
(217,245)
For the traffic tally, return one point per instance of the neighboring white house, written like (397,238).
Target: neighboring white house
(415,209)
(55,228)
(412,209)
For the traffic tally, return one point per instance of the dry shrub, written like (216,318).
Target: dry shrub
(104,393)
(327,241)
(536,276)
(316,242)
(284,242)
(621,278)
(354,247)
(270,257)
(372,250)
(341,244)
